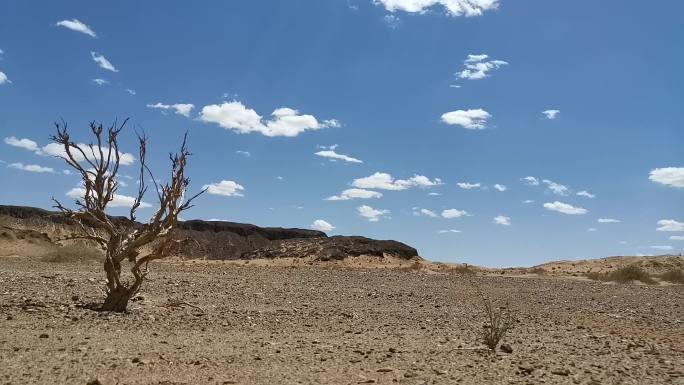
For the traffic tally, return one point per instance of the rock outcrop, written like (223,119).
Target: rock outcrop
(228,240)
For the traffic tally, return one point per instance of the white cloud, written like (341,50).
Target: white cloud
(55,149)
(321,225)
(449,231)
(677,238)
(131,91)
(587,194)
(31,167)
(246,154)
(103,62)
(477,67)
(435,194)
(118,201)
(392,21)
(453,213)
(670,225)
(373,215)
(669,176)
(384,181)
(556,188)
(226,188)
(332,155)
(502,220)
(4,79)
(530,180)
(100,82)
(76,25)
(284,122)
(26,144)
(565,208)
(468,186)
(664,248)
(179,108)
(475,119)
(500,187)
(424,212)
(592,229)
(528,201)
(466,8)
(551,114)
(355,193)
(608,220)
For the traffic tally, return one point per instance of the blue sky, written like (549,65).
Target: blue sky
(422,110)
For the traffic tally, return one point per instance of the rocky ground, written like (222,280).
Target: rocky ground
(221,323)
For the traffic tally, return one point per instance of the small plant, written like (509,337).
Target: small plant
(674,276)
(538,271)
(462,270)
(499,322)
(78,252)
(625,274)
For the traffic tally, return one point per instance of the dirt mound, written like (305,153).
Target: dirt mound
(652,265)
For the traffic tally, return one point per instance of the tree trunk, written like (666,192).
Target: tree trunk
(117,300)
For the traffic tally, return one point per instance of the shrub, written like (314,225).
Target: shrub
(499,322)
(462,270)
(674,276)
(74,253)
(625,274)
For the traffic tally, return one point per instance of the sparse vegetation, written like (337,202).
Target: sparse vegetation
(462,270)
(122,240)
(538,271)
(77,252)
(674,276)
(499,322)
(625,274)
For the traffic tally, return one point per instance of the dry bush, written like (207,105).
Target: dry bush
(78,252)
(498,322)
(538,271)
(462,270)
(625,274)
(674,276)
(415,266)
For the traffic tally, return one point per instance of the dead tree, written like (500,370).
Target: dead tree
(98,164)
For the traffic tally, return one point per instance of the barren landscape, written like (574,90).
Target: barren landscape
(221,323)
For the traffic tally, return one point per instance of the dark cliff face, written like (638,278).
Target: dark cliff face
(229,240)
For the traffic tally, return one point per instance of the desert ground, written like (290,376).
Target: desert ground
(254,323)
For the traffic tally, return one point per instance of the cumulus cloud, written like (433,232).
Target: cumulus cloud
(502,220)
(663,248)
(76,25)
(530,180)
(670,225)
(669,176)
(131,91)
(424,212)
(475,119)
(551,114)
(384,181)
(587,194)
(449,231)
(371,214)
(31,167)
(103,62)
(565,208)
(284,121)
(500,187)
(4,79)
(453,213)
(477,67)
(179,108)
(608,220)
(100,82)
(468,186)
(467,8)
(118,201)
(677,238)
(556,188)
(54,149)
(321,225)
(355,193)
(332,155)
(226,188)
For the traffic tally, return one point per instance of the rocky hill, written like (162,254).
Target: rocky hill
(209,239)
